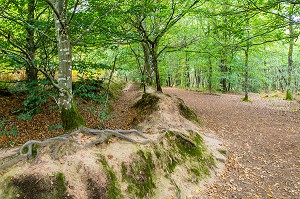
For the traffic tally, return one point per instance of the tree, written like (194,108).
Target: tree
(151,20)
(24,21)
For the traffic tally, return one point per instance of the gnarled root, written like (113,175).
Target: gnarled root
(30,148)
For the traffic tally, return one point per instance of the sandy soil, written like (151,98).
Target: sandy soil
(263,139)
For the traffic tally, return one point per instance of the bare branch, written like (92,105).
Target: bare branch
(56,13)
(74,11)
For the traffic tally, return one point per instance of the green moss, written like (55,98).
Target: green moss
(71,118)
(180,149)
(61,188)
(188,113)
(246,99)
(148,102)
(289,96)
(140,175)
(34,150)
(145,107)
(113,186)
(223,152)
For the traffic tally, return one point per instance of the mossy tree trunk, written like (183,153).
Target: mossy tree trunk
(70,117)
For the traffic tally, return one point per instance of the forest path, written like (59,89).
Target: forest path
(263,140)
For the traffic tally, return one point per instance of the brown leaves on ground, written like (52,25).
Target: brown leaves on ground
(39,127)
(263,139)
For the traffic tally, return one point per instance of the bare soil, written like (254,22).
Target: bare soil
(263,139)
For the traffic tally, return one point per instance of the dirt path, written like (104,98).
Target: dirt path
(263,139)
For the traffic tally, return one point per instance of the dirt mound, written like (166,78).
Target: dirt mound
(173,164)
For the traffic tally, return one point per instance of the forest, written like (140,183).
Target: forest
(64,63)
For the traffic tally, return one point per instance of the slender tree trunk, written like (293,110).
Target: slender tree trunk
(224,71)
(246,98)
(197,77)
(147,66)
(154,63)
(289,95)
(71,118)
(210,75)
(187,71)
(31,72)
(246,84)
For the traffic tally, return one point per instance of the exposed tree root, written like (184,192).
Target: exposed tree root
(31,148)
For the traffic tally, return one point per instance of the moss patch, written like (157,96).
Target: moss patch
(34,150)
(178,149)
(188,113)
(288,96)
(140,175)
(33,187)
(145,106)
(71,118)
(113,188)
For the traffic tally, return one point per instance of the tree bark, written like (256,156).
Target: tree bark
(187,71)
(224,71)
(154,64)
(147,67)
(246,98)
(71,118)
(31,72)
(246,85)
(210,75)
(289,95)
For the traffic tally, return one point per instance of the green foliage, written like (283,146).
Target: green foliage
(37,95)
(13,132)
(3,120)
(89,90)
(55,127)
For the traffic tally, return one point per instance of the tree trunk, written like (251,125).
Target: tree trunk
(197,77)
(210,75)
(224,70)
(31,72)
(154,64)
(187,71)
(289,95)
(246,98)
(70,117)
(147,67)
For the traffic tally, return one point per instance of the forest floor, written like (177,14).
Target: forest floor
(263,140)
(262,137)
